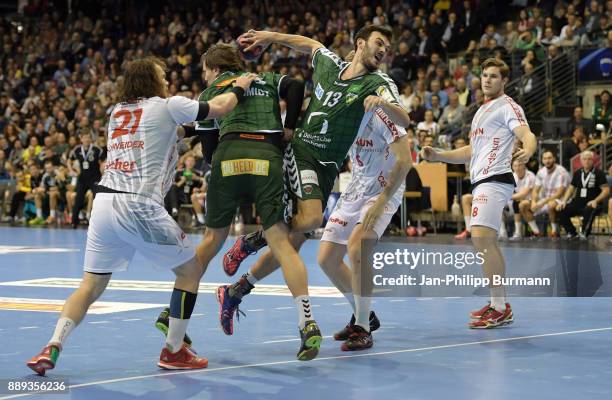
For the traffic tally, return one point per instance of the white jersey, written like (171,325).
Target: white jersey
(528,180)
(551,182)
(142,145)
(372,158)
(492,137)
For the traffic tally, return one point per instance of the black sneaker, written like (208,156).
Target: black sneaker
(163,323)
(345,333)
(360,339)
(311,341)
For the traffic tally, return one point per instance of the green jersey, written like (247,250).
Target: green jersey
(258,112)
(336,115)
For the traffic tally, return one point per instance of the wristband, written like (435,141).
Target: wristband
(239,92)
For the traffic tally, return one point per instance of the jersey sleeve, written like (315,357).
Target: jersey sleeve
(387,89)
(390,131)
(182,109)
(326,61)
(514,116)
(208,124)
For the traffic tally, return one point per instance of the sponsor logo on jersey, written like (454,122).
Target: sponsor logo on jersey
(351,97)
(336,220)
(226,82)
(132,144)
(364,142)
(308,176)
(253,91)
(307,189)
(492,155)
(390,125)
(120,165)
(340,83)
(384,93)
(245,166)
(477,132)
(319,92)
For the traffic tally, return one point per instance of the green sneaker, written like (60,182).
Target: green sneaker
(36,221)
(163,323)
(311,341)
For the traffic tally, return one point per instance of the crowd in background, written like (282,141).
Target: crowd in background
(59,69)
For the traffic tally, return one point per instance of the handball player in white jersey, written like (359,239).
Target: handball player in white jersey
(128,212)
(494,128)
(380,159)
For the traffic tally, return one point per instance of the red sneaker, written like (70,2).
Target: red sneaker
(45,360)
(463,235)
(236,255)
(182,359)
(477,314)
(493,318)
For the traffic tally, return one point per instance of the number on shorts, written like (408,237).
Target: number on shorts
(474,211)
(127,117)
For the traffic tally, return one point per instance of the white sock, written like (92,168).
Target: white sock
(502,230)
(534,227)
(351,299)
(62,329)
(52,212)
(304,310)
(362,312)
(176,333)
(555,227)
(200,217)
(467,222)
(518,228)
(38,213)
(88,215)
(498,298)
(251,278)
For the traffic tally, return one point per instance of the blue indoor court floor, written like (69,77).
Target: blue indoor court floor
(558,348)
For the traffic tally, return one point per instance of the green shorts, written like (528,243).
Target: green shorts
(308,178)
(245,172)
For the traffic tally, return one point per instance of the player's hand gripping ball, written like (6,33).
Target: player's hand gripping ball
(251,55)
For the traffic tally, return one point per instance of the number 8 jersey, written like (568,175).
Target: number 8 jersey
(142,144)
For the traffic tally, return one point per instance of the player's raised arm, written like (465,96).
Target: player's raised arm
(265,38)
(226,102)
(528,139)
(397,113)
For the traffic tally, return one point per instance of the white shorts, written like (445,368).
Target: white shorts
(347,214)
(121,224)
(488,204)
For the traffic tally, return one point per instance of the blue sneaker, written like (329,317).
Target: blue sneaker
(228,305)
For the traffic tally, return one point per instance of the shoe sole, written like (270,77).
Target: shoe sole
(495,325)
(220,301)
(170,367)
(41,366)
(346,348)
(313,343)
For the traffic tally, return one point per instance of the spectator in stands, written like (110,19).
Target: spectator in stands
(463,92)
(437,90)
(551,181)
(23,189)
(603,112)
(549,37)
(491,34)
(452,117)
(589,189)
(583,145)
(418,111)
(578,121)
(429,125)
(526,41)
(511,36)
(570,40)
(435,107)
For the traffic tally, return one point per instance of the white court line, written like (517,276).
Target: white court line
(398,301)
(283,308)
(99,322)
(382,353)
(28,327)
(288,340)
(131,319)
(340,304)
(256,310)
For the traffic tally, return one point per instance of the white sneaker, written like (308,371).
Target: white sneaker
(515,238)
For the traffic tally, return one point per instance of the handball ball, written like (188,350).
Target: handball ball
(411,231)
(250,55)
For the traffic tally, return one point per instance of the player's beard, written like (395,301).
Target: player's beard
(366,59)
